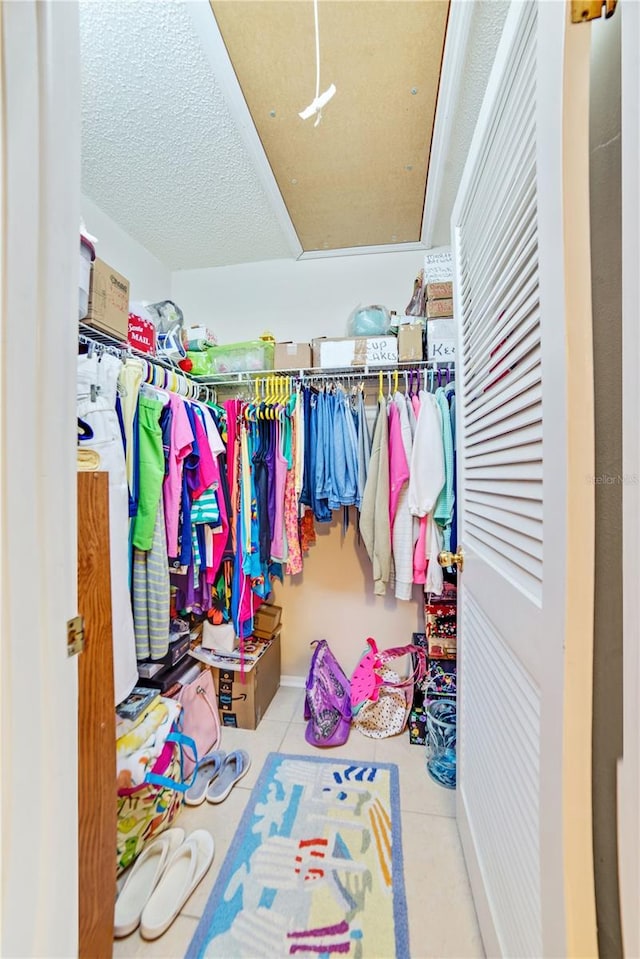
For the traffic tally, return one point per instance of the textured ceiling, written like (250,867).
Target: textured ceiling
(484,37)
(161,154)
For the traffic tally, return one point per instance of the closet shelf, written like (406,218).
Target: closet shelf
(90,334)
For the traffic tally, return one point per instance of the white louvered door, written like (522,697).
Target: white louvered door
(520,235)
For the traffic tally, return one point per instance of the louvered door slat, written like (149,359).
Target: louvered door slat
(522,304)
(511,429)
(524,404)
(512,488)
(525,508)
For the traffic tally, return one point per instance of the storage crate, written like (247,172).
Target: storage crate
(254,355)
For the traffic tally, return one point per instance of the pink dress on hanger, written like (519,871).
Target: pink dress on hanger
(398,465)
(294,562)
(277,540)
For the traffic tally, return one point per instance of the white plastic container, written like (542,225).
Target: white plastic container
(87,256)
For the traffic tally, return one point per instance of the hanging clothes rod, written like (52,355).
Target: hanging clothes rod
(159,373)
(102,347)
(351,373)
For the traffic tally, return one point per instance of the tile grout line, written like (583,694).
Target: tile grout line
(431,815)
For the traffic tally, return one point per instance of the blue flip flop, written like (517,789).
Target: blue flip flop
(235,765)
(206,770)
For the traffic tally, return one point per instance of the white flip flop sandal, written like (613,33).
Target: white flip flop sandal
(183,872)
(142,879)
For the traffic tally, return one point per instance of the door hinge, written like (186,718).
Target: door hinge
(75,636)
(585,10)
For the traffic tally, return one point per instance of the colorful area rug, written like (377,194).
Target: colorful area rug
(315,867)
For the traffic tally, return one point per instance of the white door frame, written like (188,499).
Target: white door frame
(629,766)
(39,251)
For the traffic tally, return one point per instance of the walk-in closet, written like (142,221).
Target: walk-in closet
(308,511)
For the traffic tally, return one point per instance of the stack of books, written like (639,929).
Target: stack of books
(168,674)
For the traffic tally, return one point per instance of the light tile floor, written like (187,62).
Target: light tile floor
(442,920)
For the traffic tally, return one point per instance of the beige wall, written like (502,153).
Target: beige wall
(333,599)
(605,175)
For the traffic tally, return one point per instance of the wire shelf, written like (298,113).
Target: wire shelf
(89,334)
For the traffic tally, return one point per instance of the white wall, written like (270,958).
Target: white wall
(294,299)
(298,299)
(149,279)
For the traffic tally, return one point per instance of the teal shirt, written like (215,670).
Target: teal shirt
(443,510)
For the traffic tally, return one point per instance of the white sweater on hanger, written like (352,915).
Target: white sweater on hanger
(427,458)
(374,516)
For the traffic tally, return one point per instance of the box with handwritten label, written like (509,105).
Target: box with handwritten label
(108,308)
(337,353)
(438,265)
(441,340)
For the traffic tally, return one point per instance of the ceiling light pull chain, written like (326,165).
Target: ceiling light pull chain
(319,101)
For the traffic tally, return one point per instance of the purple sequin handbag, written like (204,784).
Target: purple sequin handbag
(327,705)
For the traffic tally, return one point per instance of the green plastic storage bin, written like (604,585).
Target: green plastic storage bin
(249,357)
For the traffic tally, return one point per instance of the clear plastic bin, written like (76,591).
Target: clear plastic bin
(441,741)
(251,356)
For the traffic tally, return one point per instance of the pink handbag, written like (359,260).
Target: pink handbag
(380,699)
(200,719)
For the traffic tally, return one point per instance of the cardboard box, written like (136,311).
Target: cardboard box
(292,356)
(410,343)
(441,340)
(266,620)
(438,308)
(108,300)
(438,265)
(439,291)
(243,704)
(342,352)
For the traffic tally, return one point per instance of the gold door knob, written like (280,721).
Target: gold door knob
(447,558)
